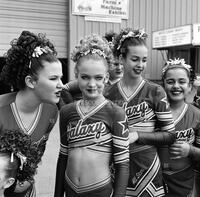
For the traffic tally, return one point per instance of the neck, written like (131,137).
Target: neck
(91,103)
(177,105)
(26,101)
(131,82)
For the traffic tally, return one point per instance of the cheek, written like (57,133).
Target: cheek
(167,87)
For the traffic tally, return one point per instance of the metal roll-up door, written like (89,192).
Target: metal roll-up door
(46,16)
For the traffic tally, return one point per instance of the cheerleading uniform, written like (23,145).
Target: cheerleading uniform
(178,173)
(148,114)
(103,130)
(38,131)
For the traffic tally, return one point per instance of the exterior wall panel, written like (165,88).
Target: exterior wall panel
(152,15)
(47,16)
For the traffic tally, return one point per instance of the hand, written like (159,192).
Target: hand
(66,86)
(22,186)
(133,137)
(179,150)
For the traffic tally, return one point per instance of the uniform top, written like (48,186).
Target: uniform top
(103,129)
(40,128)
(147,109)
(187,128)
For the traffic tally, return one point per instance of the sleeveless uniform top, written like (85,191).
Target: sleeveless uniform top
(39,129)
(148,111)
(103,129)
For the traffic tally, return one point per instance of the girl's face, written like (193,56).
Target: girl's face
(48,86)
(135,61)
(116,69)
(92,75)
(177,84)
(4,181)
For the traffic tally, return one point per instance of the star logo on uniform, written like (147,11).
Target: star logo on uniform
(124,125)
(164,100)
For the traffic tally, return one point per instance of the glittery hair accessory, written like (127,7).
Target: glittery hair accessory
(21,157)
(180,63)
(141,34)
(38,51)
(92,51)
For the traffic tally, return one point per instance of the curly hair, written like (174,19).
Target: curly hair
(92,46)
(18,58)
(16,142)
(122,41)
(109,36)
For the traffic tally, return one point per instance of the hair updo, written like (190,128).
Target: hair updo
(93,46)
(128,37)
(20,56)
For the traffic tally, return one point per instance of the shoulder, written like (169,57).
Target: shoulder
(50,109)
(154,89)
(68,108)
(6,99)
(153,86)
(114,108)
(193,109)
(108,91)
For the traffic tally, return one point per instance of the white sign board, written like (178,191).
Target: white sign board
(196,34)
(104,8)
(172,37)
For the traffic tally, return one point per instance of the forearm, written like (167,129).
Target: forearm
(121,179)
(156,138)
(60,174)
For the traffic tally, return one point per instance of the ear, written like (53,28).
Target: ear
(30,82)
(121,59)
(106,77)
(76,72)
(8,182)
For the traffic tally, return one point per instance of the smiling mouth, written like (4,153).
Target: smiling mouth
(137,70)
(91,90)
(176,93)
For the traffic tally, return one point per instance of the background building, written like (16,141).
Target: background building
(56,18)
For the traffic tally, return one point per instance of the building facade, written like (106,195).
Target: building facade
(65,29)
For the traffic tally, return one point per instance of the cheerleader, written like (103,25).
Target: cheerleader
(93,131)
(149,116)
(177,158)
(34,72)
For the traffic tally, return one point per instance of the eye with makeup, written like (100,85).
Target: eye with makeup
(84,77)
(53,78)
(99,78)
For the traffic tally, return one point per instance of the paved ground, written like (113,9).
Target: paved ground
(45,178)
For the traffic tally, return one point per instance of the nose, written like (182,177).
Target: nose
(91,83)
(60,84)
(176,84)
(140,63)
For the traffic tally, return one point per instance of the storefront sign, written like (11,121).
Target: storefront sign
(104,8)
(196,34)
(172,37)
